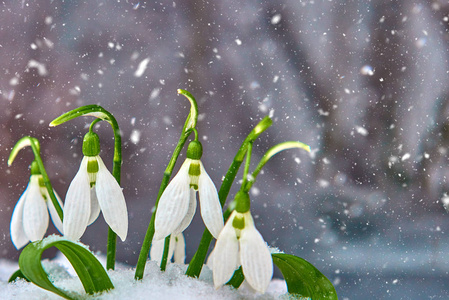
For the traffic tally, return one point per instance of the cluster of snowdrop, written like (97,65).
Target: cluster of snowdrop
(238,242)
(239,245)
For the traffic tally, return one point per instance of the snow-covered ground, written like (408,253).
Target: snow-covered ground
(172,284)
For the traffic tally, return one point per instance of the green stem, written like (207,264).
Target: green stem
(35,146)
(247,163)
(165,254)
(196,133)
(49,187)
(116,172)
(196,264)
(91,127)
(189,126)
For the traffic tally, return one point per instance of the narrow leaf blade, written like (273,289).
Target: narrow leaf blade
(193,115)
(22,143)
(303,278)
(87,110)
(30,264)
(17,275)
(89,270)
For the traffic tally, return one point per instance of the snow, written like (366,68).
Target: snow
(135,136)
(276,19)
(361,130)
(367,70)
(405,156)
(171,284)
(142,67)
(41,69)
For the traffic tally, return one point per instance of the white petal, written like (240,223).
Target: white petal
(77,204)
(35,214)
(190,213)
(157,249)
(53,213)
(180,249)
(210,260)
(111,200)
(94,206)
(173,204)
(18,237)
(211,210)
(226,254)
(257,264)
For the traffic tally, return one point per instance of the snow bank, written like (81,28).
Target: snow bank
(172,284)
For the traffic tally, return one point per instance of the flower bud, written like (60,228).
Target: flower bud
(194,150)
(34,168)
(242,202)
(91,144)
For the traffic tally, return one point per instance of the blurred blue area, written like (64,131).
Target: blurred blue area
(363,82)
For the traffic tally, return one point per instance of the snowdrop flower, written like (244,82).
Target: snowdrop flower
(177,204)
(177,249)
(29,220)
(241,244)
(94,189)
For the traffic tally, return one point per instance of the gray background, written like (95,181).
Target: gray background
(363,82)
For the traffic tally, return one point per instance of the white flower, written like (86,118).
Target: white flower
(92,189)
(177,249)
(239,243)
(29,220)
(177,204)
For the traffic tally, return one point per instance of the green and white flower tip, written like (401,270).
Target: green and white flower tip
(29,220)
(241,244)
(177,248)
(177,204)
(93,189)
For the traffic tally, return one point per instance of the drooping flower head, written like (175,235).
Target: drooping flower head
(177,204)
(29,220)
(241,244)
(93,189)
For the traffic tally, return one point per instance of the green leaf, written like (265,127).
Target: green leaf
(87,110)
(193,115)
(303,278)
(275,150)
(17,274)
(91,273)
(22,143)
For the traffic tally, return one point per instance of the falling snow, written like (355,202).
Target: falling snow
(361,130)
(142,67)
(367,70)
(41,68)
(135,136)
(276,19)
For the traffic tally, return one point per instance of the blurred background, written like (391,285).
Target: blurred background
(365,83)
